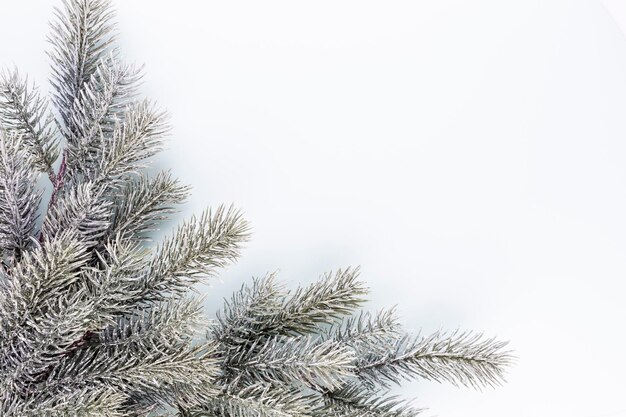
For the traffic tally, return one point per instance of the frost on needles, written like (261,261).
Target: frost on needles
(95,322)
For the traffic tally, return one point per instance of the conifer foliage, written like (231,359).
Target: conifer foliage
(96,322)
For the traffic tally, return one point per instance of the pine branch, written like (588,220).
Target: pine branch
(258,400)
(41,316)
(82,35)
(149,358)
(367,332)
(145,202)
(266,310)
(114,278)
(135,138)
(461,358)
(323,302)
(87,206)
(123,258)
(24,111)
(166,324)
(44,339)
(99,107)
(42,274)
(83,403)
(305,360)
(249,315)
(354,401)
(197,249)
(95,322)
(177,373)
(20,196)
(82,209)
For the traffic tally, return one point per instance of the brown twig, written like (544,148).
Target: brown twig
(59,180)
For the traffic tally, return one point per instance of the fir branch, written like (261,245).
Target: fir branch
(20,196)
(82,209)
(87,206)
(99,107)
(145,202)
(83,403)
(323,302)
(45,337)
(152,373)
(135,138)
(461,358)
(305,360)
(166,324)
(40,316)
(24,111)
(179,373)
(355,401)
(123,258)
(81,36)
(94,322)
(42,274)
(114,282)
(196,250)
(266,310)
(366,331)
(258,400)
(250,312)
(114,279)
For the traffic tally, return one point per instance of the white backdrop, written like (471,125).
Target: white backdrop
(470,155)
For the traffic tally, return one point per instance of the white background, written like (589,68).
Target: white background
(470,155)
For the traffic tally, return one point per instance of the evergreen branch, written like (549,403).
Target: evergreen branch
(23,110)
(100,105)
(83,403)
(461,358)
(354,401)
(366,332)
(44,339)
(323,302)
(63,306)
(114,280)
(266,309)
(250,313)
(177,373)
(196,250)
(168,329)
(135,138)
(81,35)
(94,322)
(20,196)
(164,325)
(123,258)
(306,360)
(41,274)
(83,210)
(40,317)
(144,202)
(87,206)
(258,400)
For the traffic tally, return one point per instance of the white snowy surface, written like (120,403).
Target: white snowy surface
(470,155)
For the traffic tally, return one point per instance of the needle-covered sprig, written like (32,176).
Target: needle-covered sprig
(97,321)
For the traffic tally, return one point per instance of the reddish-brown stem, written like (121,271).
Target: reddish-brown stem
(58,181)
